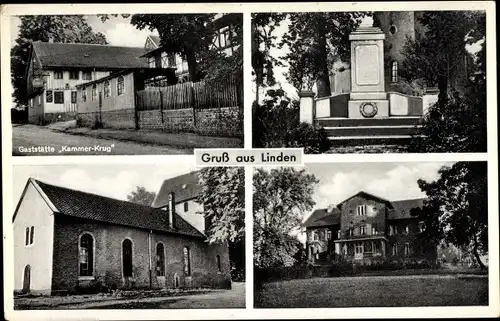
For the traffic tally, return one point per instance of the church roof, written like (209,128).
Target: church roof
(184,187)
(104,209)
(78,55)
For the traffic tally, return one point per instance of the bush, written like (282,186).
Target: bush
(276,124)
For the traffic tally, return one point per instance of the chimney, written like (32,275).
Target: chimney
(171,210)
(51,39)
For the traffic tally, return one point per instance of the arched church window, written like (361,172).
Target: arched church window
(394,71)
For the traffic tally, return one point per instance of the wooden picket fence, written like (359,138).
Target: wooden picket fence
(198,95)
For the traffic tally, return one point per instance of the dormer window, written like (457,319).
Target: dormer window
(361,210)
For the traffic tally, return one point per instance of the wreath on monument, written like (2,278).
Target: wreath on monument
(368,109)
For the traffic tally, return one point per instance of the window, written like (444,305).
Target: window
(58,75)
(407,248)
(187,261)
(395,249)
(107,89)
(74,75)
(32,234)
(393,29)
(339,234)
(171,60)
(315,236)
(48,96)
(328,235)
(94,92)
(186,206)
(362,230)
(27,236)
(73,97)
(219,266)
(30,102)
(160,260)
(127,258)
(86,252)
(407,229)
(358,248)
(120,86)
(367,247)
(361,210)
(151,62)
(84,94)
(39,99)
(376,248)
(59,97)
(391,230)
(421,226)
(87,75)
(394,71)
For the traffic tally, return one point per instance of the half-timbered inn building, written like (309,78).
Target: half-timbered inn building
(365,228)
(55,69)
(68,241)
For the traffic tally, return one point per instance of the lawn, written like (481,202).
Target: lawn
(375,291)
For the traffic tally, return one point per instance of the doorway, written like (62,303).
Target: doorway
(27,279)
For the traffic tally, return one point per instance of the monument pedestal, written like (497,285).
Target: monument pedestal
(368,109)
(368,98)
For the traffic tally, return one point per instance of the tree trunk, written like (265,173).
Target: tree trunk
(192,65)
(443,90)
(478,259)
(323,80)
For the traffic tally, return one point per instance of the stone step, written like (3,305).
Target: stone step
(373,131)
(351,122)
(370,140)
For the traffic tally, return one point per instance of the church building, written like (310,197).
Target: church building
(69,241)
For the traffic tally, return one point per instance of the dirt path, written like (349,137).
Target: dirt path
(31,140)
(234,298)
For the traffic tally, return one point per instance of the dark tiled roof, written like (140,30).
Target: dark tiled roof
(88,55)
(367,195)
(185,187)
(104,209)
(322,217)
(402,208)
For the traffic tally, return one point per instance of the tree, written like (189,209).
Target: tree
(263,40)
(222,197)
(436,55)
(280,198)
(456,210)
(185,34)
(317,40)
(457,123)
(59,29)
(141,196)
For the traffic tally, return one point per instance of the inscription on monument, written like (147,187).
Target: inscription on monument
(367,65)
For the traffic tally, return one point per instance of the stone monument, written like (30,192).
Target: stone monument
(368,98)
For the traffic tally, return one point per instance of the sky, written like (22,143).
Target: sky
(115,181)
(118,30)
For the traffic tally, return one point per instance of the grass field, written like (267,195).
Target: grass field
(375,291)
